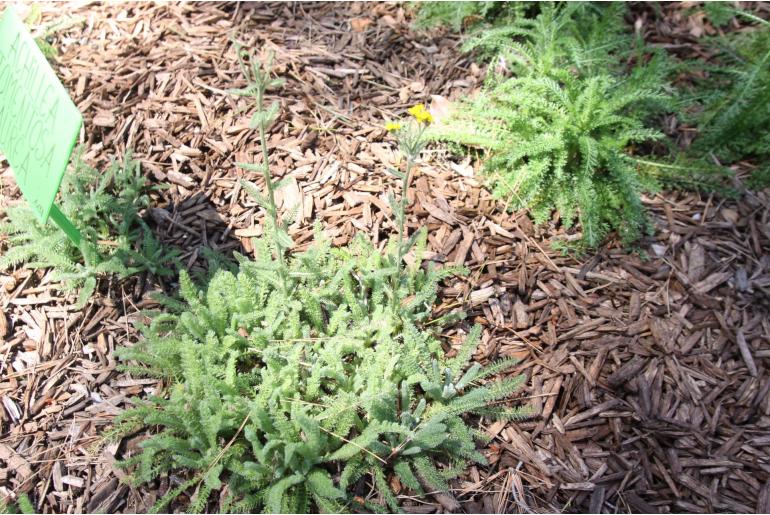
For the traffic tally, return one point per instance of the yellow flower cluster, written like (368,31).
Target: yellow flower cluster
(421,114)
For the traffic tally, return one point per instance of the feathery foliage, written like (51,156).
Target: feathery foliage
(734,121)
(718,13)
(259,80)
(457,14)
(107,209)
(22,505)
(293,378)
(43,33)
(558,131)
(578,35)
(290,396)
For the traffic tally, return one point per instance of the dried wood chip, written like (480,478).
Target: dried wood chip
(585,486)
(746,353)
(711,282)
(763,499)
(15,462)
(597,500)
(480,296)
(180,179)
(4,328)
(11,408)
(599,408)
(626,372)
(56,475)
(75,481)
(104,119)
(639,504)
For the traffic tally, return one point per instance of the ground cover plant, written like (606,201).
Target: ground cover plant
(732,101)
(116,241)
(460,15)
(557,124)
(626,352)
(295,379)
(22,505)
(565,118)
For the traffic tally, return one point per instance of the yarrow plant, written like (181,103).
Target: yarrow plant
(459,15)
(293,383)
(259,78)
(557,129)
(410,135)
(22,505)
(108,207)
(734,98)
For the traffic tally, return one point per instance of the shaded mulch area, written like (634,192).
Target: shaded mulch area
(646,372)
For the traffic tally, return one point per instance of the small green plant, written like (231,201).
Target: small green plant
(293,380)
(290,398)
(44,33)
(456,15)
(22,505)
(734,118)
(107,209)
(558,132)
(582,37)
(561,147)
(259,80)
(411,140)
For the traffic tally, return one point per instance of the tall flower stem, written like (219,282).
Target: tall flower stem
(411,143)
(272,209)
(401,215)
(258,82)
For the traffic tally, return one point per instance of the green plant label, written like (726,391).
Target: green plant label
(39,123)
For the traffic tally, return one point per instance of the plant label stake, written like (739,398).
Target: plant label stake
(39,123)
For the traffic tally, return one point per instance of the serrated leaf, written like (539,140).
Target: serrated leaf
(256,120)
(283,239)
(275,494)
(251,167)
(277,185)
(89,286)
(411,450)
(410,243)
(253,192)
(242,92)
(407,477)
(212,477)
(321,484)
(401,175)
(272,112)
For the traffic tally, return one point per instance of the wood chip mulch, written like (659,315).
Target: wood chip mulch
(646,372)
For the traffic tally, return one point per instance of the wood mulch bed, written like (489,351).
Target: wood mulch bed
(647,376)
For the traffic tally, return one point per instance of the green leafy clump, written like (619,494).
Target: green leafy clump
(718,13)
(457,15)
(734,97)
(579,35)
(558,129)
(290,392)
(294,379)
(760,178)
(107,209)
(22,505)
(44,33)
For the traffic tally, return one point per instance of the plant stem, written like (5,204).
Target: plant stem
(401,229)
(272,209)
